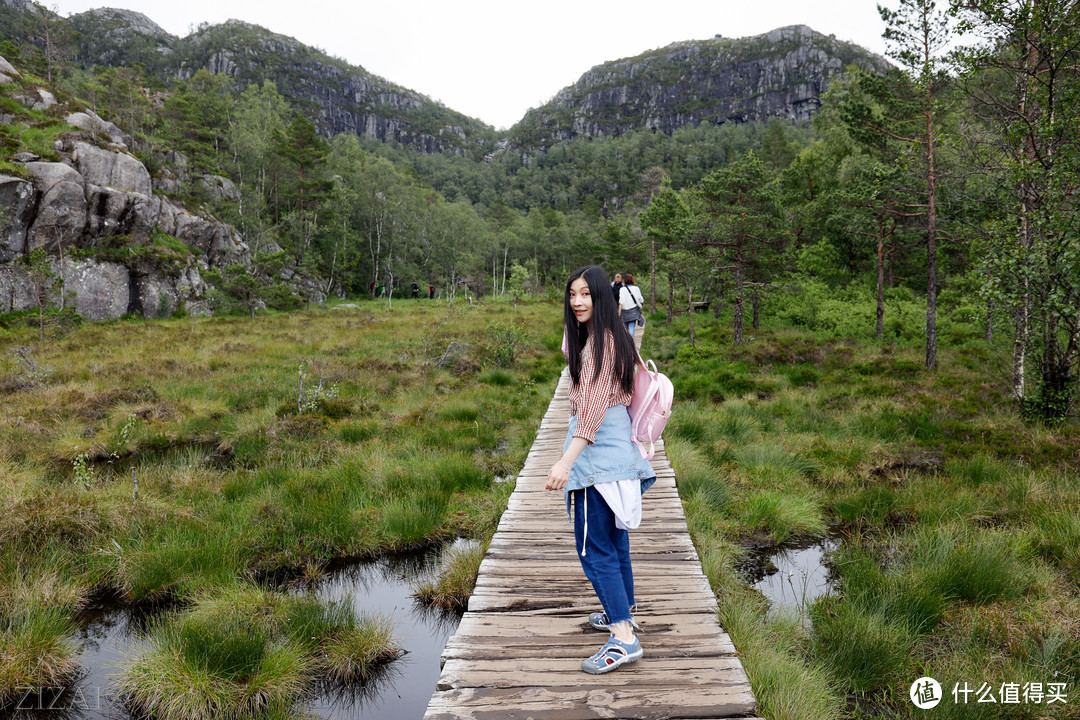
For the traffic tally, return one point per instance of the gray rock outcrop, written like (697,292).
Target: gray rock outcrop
(41,99)
(16,199)
(88,120)
(7,72)
(102,290)
(60,215)
(116,170)
(117,246)
(782,73)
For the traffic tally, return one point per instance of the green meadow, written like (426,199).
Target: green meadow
(958,523)
(264,449)
(191,461)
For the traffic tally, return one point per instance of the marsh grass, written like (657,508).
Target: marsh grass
(37,651)
(403,457)
(957,521)
(452,585)
(412,520)
(248,651)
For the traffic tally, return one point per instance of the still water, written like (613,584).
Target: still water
(792,576)
(109,634)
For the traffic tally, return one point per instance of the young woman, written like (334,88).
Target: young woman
(601,473)
(630,303)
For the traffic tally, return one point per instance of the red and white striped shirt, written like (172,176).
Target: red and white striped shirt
(596,392)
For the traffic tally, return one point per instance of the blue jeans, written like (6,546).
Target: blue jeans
(606,557)
(631,327)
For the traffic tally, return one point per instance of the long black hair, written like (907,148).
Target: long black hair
(605,319)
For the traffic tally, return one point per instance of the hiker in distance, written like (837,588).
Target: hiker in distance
(630,304)
(602,473)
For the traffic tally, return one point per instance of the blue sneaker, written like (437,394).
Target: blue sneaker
(599,620)
(612,655)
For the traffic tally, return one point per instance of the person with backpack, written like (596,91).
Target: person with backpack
(630,303)
(602,473)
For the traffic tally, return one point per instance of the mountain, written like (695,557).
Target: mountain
(782,73)
(121,38)
(339,97)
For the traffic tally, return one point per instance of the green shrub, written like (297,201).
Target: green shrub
(494,376)
(773,461)
(456,473)
(357,432)
(505,340)
(867,506)
(37,648)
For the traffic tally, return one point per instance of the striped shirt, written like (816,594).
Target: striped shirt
(590,398)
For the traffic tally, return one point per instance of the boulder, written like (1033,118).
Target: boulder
(117,212)
(61,213)
(220,187)
(17,197)
(16,289)
(25,157)
(102,289)
(91,122)
(219,242)
(41,99)
(7,69)
(112,169)
(156,295)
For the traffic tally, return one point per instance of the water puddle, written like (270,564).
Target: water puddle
(108,634)
(793,575)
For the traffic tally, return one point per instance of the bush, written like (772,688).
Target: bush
(505,339)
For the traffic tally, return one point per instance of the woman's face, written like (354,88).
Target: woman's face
(581,300)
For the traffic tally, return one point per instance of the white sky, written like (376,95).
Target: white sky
(494,59)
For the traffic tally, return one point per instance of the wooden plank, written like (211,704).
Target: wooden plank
(668,673)
(584,703)
(487,648)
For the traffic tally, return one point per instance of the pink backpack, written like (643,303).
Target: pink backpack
(650,408)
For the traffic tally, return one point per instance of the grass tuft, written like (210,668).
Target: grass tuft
(248,652)
(455,581)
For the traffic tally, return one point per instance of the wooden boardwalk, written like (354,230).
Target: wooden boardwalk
(518,650)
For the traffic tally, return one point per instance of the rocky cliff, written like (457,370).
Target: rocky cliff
(782,73)
(117,242)
(339,97)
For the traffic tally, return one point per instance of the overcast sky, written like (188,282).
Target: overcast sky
(495,59)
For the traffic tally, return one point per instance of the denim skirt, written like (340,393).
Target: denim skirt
(611,457)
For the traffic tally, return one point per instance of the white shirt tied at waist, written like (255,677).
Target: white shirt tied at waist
(623,498)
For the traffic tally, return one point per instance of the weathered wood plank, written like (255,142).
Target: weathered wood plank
(671,673)
(575,702)
(658,646)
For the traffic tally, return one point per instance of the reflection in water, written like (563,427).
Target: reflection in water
(792,576)
(400,690)
(384,587)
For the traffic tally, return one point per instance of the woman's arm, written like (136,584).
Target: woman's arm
(560,471)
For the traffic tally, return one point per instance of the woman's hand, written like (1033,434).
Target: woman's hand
(557,476)
(560,471)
